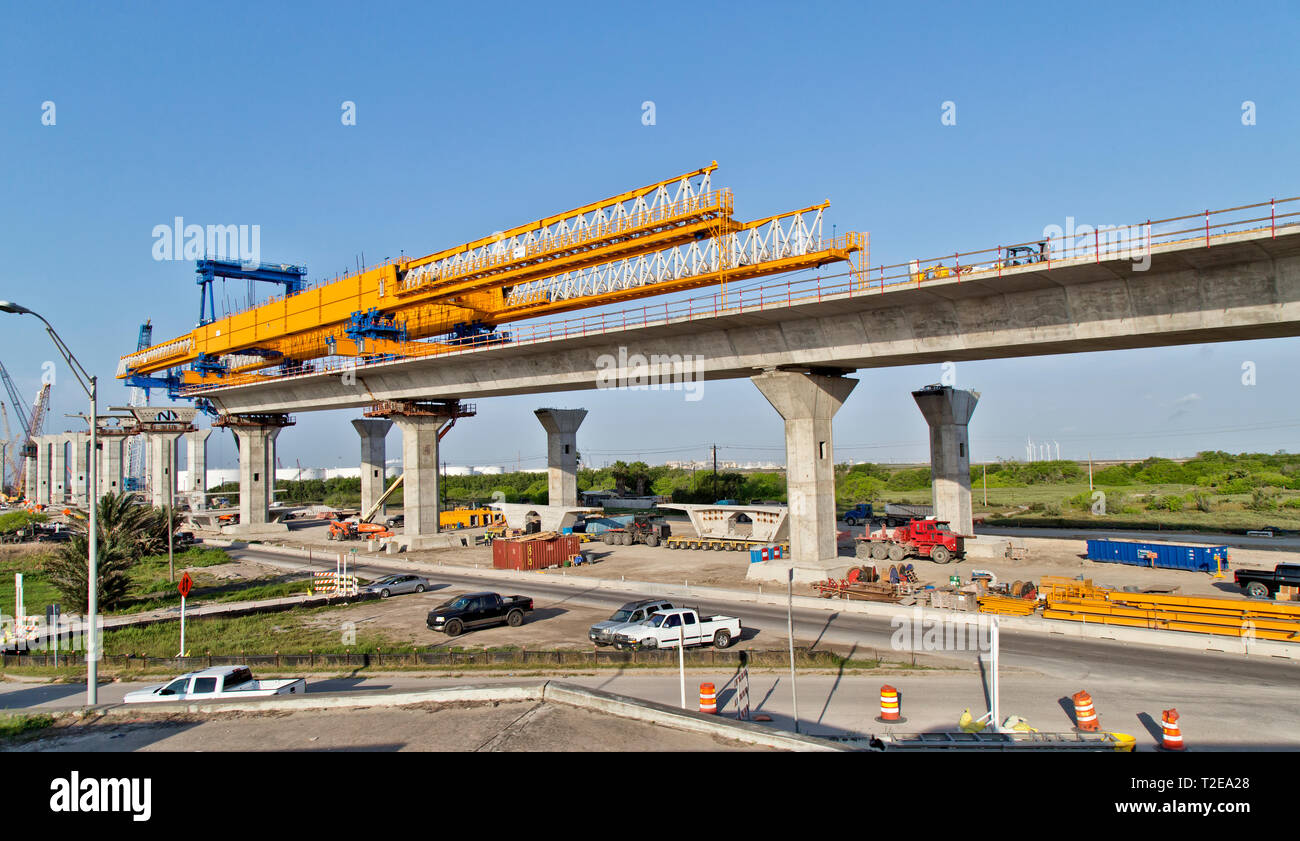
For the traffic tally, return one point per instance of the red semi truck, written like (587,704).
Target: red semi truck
(933,539)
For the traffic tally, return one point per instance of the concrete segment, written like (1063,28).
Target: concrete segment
(562,453)
(162,467)
(373,458)
(196,462)
(807,402)
(80,463)
(420,467)
(110,464)
(58,470)
(43,447)
(948,411)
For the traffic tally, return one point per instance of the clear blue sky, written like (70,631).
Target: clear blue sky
(474,117)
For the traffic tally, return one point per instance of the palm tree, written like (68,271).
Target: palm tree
(138,530)
(68,571)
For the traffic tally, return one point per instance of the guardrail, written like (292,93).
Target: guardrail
(1134,241)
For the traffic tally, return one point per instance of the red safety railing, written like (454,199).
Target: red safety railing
(1044,254)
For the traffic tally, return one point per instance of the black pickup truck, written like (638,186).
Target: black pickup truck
(476,610)
(1262,584)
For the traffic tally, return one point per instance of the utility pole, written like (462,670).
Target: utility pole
(789,618)
(985,470)
(1089,472)
(715,472)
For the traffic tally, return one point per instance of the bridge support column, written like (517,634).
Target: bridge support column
(43,495)
(29,476)
(948,411)
(196,461)
(256,476)
(373,431)
(110,463)
(162,467)
(59,470)
(562,453)
(81,490)
(420,505)
(807,402)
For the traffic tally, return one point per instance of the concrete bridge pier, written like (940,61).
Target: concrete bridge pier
(807,402)
(29,476)
(196,461)
(562,453)
(420,503)
(110,463)
(162,467)
(43,495)
(79,443)
(373,431)
(256,436)
(59,470)
(948,411)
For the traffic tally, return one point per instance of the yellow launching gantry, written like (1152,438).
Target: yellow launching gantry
(670,236)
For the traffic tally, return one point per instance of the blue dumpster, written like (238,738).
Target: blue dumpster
(1159,555)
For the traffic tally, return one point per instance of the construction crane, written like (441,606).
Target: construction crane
(22,446)
(673,235)
(8,462)
(135,466)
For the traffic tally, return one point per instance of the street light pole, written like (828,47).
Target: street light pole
(90,385)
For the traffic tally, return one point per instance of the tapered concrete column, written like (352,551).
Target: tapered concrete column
(256,476)
(58,470)
(561,453)
(79,447)
(162,467)
(372,432)
(110,464)
(196,461)
(420,466)
(807,402)
(43,470)
(948,411)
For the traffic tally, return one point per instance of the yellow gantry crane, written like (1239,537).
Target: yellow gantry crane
(669,236)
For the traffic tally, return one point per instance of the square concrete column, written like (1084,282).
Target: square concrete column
(110,464)
(58,470)
(420,467)
(43,495)
(162,467)
(79,444)
(196,461)
(561,453)
(948,411)
(372,432)
(256,476)
(807,402)
(29,476)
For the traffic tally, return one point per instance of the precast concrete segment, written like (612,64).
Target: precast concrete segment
(1246,286)
(80,447)
(948,411)
(43,447)
(58,470)
(162,467)
(561,453)
(807,402)
(373,432)
(196,462)
(256,475)
(420,466)
(110,464)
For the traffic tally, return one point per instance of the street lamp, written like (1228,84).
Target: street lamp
(90,385)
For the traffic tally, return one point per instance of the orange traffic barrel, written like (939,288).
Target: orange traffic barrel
(1085,716)
(890,706)
(708,699)
(1173,734)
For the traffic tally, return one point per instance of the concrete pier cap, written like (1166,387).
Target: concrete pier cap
(948,411)
(807,400)
(561,427)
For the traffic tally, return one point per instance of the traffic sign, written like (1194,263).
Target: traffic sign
(186,585)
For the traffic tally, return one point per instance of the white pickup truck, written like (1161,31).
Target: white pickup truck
(681,626)
(216,684)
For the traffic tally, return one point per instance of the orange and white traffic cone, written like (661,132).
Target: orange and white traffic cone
(708,699)
(890,706)
(1085,716)
(1173,734)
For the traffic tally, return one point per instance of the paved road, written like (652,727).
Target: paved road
(1054,656)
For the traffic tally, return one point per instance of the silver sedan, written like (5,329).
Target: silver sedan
(392,585)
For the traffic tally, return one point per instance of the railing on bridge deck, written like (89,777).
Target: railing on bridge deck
(1043,254)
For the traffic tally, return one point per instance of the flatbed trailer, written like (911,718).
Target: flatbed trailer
(722,544)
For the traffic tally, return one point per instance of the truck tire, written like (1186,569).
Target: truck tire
(1258,590)
(850,521)
(650,643)
(862,551)
(607,538)
(515,618)
(454,627)
(652,540)
(897,553)
(940,554)
(721,639)
(879,551)
(627,538)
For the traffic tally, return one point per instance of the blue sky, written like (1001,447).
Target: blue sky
(474,117)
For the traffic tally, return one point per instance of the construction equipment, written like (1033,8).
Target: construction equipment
(644,528)
(350,530)
(933,539)
(672,235)
(134,480)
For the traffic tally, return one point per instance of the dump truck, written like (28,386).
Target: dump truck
(933,539)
